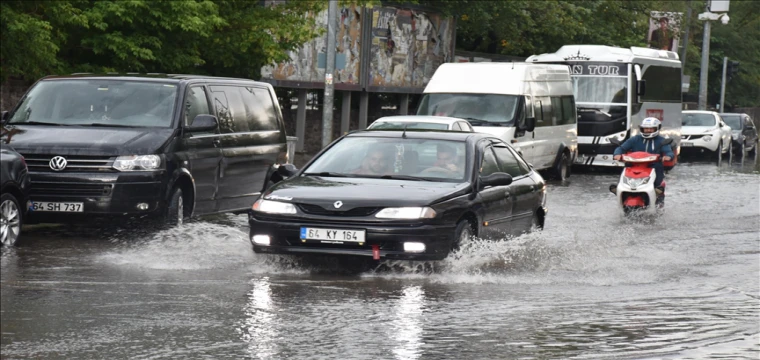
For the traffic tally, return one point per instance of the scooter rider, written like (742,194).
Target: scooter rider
(650,141)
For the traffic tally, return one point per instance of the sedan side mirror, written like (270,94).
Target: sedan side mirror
(5,117)
(287,170)
(495,179)
(203,123)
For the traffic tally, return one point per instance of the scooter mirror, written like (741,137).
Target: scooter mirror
(615,141)
(667,141)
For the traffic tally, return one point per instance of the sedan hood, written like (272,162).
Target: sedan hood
(76,140)
(360,192)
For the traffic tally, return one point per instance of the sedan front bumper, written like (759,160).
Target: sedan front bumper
(285,238)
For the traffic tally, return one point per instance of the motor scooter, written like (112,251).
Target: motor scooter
(635,190)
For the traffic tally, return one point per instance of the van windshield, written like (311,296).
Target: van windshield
(116,103)
(478,109)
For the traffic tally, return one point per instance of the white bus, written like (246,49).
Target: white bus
(615,89)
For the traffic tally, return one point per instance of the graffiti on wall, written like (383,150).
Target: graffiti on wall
(303,64)
(407,46)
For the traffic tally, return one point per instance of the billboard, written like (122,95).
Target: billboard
(404,47)
(664,30)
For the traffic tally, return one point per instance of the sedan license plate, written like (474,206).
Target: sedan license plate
(686,144)
(332,235)
(56,206)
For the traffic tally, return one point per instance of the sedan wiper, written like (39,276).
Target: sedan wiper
(329,174)
(37,123)
(404,177)
(108,125)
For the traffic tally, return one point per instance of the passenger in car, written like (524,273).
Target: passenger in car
(376,162)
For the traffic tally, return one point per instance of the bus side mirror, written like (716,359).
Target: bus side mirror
(641,87)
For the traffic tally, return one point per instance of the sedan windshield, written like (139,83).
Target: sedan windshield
(698,119)
(388,125)
(393,158)
(478,109)
(98,102)
(734,121)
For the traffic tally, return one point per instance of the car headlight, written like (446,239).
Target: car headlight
(707,138)
(635,182)
(406,213)
(137,162)
(273,207)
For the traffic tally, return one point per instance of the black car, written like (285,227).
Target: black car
(14,192)
(743,133)
(412,195)
(167,146)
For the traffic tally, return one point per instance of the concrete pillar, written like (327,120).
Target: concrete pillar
(403,108)
(301,120)
(363,109)
(345,115)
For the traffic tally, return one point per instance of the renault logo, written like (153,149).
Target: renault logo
(338,204)
(58,163)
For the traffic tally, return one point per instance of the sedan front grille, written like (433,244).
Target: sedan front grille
(355,212)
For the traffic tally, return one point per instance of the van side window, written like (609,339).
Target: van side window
(568,111)
(195,104)
(545,111)
(223,111)
(259,108)
(489,164)
(556,110)
(508,162)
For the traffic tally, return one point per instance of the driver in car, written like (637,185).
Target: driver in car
(447,159)
(376,162)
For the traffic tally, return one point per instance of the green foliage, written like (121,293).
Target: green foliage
(230,37)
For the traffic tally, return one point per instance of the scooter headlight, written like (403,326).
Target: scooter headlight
(635,182)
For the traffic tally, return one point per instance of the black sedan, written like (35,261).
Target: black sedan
(414,195)
(14,192)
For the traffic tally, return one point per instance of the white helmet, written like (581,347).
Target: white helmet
(650,122)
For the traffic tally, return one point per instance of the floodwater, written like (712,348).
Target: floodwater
(592,285)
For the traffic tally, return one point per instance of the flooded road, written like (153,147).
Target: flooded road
(592,285)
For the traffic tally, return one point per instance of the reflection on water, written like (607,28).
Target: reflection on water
(407,326)
(259,330)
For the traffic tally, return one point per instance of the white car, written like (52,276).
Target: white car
(421,122)
(704,131)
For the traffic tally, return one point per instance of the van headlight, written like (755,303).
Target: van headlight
(137,162)
(273,207)
(406,213)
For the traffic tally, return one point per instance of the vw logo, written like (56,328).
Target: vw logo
(338,204)
(58,163)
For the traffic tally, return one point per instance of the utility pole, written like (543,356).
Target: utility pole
(723,85)
(686,36)
(327,109)
(715,10)
(705,64)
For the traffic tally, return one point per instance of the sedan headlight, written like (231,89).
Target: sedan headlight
(406,213)
(137,162)
(273,207)
(635,182)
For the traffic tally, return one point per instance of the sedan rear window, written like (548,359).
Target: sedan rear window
(98,102)
(433,160)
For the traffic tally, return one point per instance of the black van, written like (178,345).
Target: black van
(174,146)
